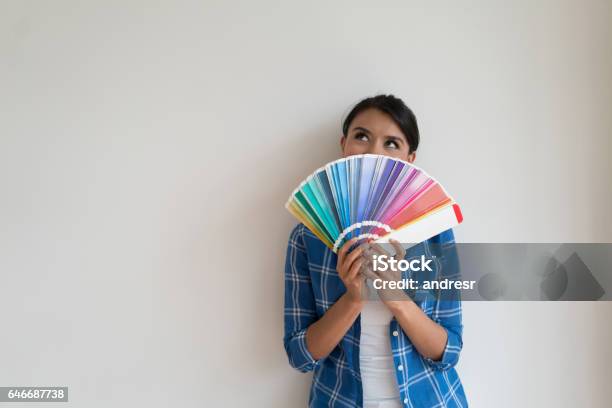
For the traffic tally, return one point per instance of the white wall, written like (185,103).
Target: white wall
(147,149)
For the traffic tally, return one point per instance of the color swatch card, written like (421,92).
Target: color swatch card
(372,197)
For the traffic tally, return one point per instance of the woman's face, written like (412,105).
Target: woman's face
(373,131)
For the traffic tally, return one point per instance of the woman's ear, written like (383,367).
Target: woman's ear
(342,142)
(411,157)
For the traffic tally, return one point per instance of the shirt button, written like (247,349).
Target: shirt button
(400,367)
(395,333)
(405,400)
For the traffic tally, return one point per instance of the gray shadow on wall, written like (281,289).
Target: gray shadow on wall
(306,152)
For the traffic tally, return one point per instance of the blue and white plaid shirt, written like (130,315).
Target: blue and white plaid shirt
(312,286)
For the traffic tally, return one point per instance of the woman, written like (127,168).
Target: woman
(391,353)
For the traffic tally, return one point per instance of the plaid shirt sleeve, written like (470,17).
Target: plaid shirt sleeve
(300,309)
(447,311)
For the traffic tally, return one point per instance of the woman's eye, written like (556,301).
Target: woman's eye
(361,136)
(392,144)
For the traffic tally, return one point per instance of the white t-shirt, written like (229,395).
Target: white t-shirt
(380,389)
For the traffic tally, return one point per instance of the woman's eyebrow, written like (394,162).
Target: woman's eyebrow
(363,129)
(395,138)
(391,137)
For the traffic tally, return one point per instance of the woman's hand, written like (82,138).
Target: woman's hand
(348,267)
(389,296)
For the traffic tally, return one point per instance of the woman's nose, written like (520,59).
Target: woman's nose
(375,148)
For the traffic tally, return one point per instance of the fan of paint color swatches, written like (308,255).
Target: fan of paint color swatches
(372,197)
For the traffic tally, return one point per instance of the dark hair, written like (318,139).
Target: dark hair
(394,107)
